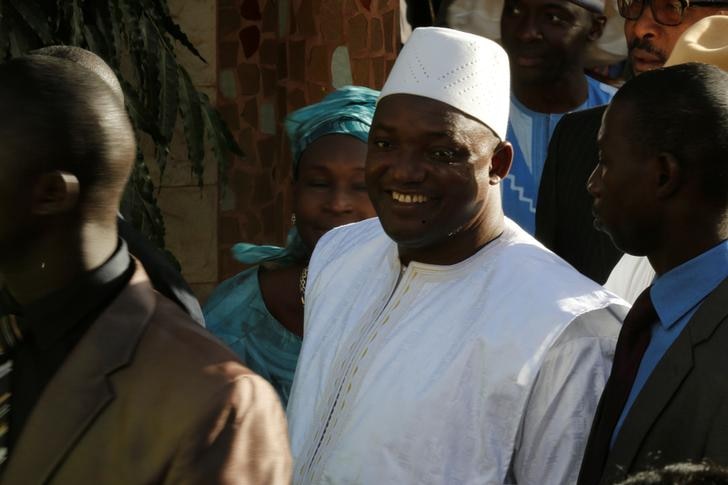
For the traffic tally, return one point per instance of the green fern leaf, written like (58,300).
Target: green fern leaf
(4,40)
(76,23)
(35,18)
(168,92)
(160,12)
(191,112)
(222,129)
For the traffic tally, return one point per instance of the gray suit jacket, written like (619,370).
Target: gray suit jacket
(147,397)
(681,414)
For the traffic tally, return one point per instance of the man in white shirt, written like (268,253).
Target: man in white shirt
(443,343)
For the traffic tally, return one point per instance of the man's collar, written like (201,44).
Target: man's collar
(50,317)
(679,290)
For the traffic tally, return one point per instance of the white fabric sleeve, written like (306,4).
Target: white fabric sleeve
(630,277)
(564,398)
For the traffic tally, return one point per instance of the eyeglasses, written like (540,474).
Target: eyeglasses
(665,12)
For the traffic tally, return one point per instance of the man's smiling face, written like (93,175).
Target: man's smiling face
(427,170)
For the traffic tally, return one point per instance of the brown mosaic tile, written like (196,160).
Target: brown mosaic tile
(319,67)
(250,10)
(250,112)
(263,193)
(228,22)
(360,69)
(227,84)
(267,118)
(270,16)
(314,92)
(230,115)
(228,230)
(332,31)
(297,60)
(284,17)
(296,99)
(376,43)
(389,65)
(389,20)
(351,8)
(270,81)
(269,52)
(358,34)
(305,21)
(250,39)
(249,77)
(253,227)
(267,150)
(241,185)
(227,54)
(379,72)
(281,103)
(282,63)
(367,4)
(245,140)
(272,213)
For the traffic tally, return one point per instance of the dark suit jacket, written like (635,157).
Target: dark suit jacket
(681,413)
(147,397)
(564,221)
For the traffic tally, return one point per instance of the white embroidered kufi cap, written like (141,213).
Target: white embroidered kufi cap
(466,71)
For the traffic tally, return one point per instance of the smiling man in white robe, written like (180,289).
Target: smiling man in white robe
(443,344)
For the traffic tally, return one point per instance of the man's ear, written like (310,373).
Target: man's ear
(670,175)
(500,163)
(55,192)
(597,28)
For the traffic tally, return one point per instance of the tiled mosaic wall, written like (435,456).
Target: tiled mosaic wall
(274,56)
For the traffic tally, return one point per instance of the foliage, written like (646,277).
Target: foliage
(136,38)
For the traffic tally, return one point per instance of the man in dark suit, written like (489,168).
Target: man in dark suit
(103,379)
(165,278)
(563,215)
(661,190)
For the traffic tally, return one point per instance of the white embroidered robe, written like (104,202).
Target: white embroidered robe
(486,371)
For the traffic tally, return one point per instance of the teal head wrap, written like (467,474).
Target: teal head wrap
(346,111)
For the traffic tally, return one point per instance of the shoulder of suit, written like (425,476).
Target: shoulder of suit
(175,343)
(586,116)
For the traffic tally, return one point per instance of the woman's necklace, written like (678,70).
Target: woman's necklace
(302,285)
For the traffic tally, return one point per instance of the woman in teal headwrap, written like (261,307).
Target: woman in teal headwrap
(259,312)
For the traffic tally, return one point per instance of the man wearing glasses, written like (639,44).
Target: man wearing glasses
(563,216)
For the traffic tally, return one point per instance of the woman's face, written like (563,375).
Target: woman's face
(330,190)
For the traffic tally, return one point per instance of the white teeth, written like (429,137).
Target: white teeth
(409,198)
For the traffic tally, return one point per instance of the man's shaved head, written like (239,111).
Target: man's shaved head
(86,59)
(57,117)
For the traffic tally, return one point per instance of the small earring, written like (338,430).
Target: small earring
(42,265)
(293,219)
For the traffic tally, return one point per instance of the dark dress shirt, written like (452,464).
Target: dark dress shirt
(53,325)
